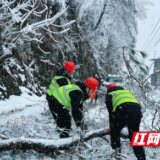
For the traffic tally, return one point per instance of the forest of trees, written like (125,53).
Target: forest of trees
(39,36)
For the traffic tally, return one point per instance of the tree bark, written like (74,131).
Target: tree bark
(48,145)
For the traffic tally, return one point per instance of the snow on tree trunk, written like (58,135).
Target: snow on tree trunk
(48,145)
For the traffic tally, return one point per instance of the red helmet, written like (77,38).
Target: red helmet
(111,85)
(91,83)
(70,66)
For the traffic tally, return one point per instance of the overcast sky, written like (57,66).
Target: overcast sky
(145,28)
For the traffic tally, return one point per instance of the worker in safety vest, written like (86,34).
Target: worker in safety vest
(71,97)
(124,110)
(62,78)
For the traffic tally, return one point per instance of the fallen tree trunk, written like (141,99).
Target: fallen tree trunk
(48,145)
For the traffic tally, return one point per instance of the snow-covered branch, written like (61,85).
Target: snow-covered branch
(24,21)
(48,145)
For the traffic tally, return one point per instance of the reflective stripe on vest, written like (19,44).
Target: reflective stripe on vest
(54,85)
(62,94)
(121,96)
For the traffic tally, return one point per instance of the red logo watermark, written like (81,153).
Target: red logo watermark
(145,139)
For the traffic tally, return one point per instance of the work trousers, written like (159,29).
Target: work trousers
(61,116)
(128,114)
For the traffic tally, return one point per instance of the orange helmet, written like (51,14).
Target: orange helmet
(70,66)
(111,85)
(91,83)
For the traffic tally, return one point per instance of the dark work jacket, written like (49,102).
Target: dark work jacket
(108,101)
(76,97)
(77,108)
(62,81)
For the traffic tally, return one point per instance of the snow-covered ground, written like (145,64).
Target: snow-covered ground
(28,116)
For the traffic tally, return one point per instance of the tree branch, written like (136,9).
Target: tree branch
(99,20)
(48,145)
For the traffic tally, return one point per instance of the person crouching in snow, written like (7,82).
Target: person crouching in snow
(71,96)
(124,110)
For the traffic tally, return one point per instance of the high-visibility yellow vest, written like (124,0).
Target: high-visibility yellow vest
(62,94)
(121,96)
(54,85)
